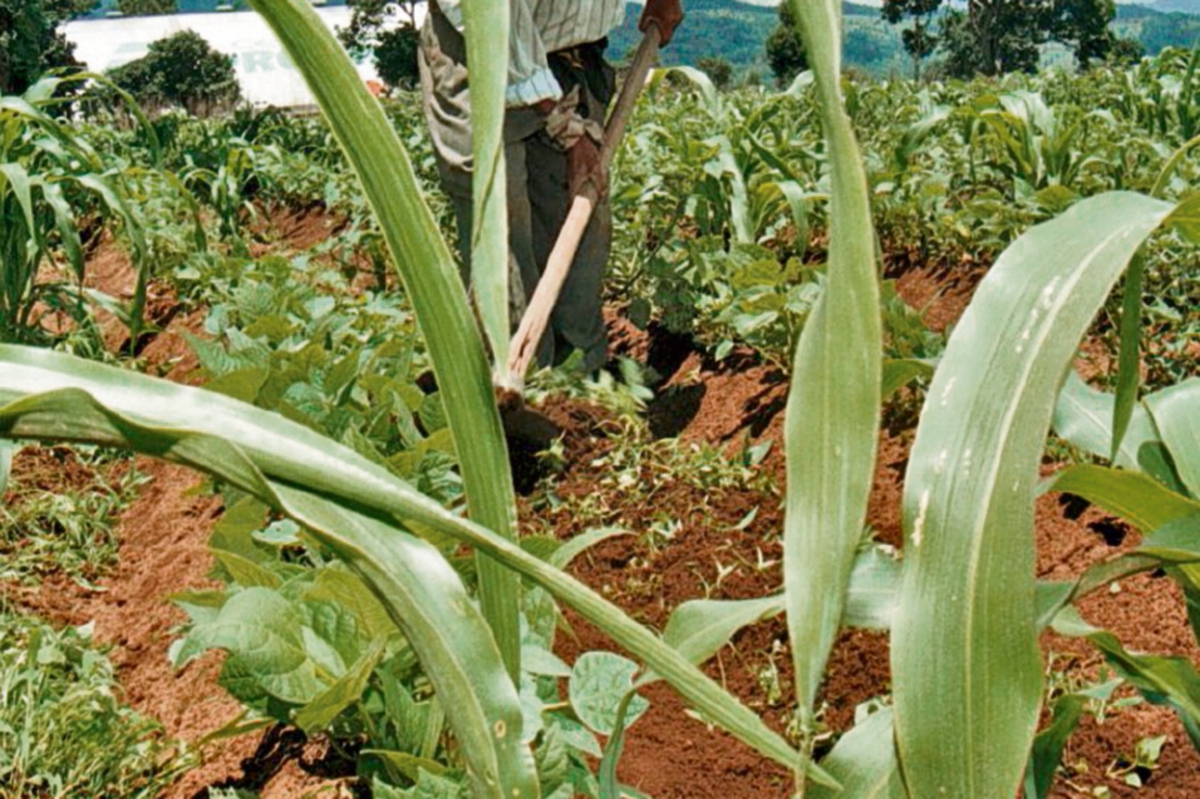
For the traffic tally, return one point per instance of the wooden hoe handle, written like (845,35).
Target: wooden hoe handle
(537,315)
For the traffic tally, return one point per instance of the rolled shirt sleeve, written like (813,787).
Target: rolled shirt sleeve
(529,77)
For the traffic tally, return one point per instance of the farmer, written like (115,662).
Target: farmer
(558,88)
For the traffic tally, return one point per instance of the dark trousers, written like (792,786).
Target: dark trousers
(538,197)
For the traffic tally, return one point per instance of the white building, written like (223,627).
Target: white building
(264,70)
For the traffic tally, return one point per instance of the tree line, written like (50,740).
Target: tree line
(988,37)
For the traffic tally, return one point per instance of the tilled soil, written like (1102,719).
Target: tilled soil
(712,552)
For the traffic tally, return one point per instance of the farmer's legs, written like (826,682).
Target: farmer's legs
(523,270)
(447,112)
(577,322)
(537,196)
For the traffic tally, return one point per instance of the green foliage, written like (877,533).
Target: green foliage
(719,71)
(736,30)
(135,8)
(785,50)
(68,532)
(1084,26)
(396,57)
(732,206)
(393,48)
(102,8)
(181,70)
(30,43)
(63,729)
(1127,52)
(994,37)
(1000,36)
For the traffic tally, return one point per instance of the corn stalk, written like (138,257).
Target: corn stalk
(428,272)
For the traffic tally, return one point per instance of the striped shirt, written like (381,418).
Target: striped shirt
(539,27)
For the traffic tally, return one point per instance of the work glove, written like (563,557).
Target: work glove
(666,14)
(581,139)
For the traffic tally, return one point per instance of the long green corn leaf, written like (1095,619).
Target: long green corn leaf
(1170,681)
(17,177)
(291,455)
(1084,417)
(6,456)
(1177,542)
(700,627)
(422,593)
(899,372)
(433,284)
(1176,412)
(1129,360)
(965,660)
(42,95)
(64,220)
(486,23)
(1138,499)
(834,403)
(1050,743)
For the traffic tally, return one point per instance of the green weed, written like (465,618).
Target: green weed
(70,531)
(64,732)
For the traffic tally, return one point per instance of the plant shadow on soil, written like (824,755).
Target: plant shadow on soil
(712,551)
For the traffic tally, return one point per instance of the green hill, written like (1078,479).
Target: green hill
(1155,29)
(737,31)
(1183,6)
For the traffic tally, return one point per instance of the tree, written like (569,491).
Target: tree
(785,51)
(145,8)
(718,69)
(993,37)
(30,43)
(1083,24)
(919,40)
(393,48)
(180,70)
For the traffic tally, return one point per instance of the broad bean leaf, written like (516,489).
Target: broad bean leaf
(599,682)
(336,584)
(318,714)
(261,631)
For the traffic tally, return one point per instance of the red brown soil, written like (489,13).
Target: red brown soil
(711,552)
(298,228)
(669,753)
(164,538)
(163,551)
